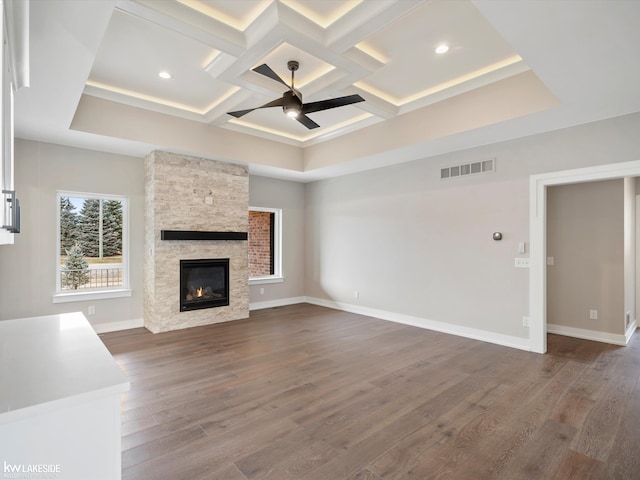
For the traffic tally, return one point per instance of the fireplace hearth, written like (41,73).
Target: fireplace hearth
(204,283)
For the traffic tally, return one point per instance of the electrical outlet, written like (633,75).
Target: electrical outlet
(525,321)
(92,309)
(593,314)
(356,294)
(261,291)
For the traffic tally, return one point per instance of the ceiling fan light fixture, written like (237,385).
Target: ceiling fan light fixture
(291,111)
(291,104)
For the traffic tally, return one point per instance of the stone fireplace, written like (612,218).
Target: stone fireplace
(196,216)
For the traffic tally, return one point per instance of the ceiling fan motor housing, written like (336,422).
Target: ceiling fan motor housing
(291,104)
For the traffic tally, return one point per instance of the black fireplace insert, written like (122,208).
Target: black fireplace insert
(204,283)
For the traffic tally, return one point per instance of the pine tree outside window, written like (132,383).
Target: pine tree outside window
(92,246)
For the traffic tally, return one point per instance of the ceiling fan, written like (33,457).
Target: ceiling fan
(291,101)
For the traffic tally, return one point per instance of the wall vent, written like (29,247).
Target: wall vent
(468,169)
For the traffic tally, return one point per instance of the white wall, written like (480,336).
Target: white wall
(288,196)
(28,268)
(417,246)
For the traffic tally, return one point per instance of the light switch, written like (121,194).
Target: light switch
(522,247)
(550,261)
(208,200)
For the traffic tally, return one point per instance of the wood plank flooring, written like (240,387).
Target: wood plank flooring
(309,393)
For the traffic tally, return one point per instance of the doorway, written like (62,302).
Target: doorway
(538,227)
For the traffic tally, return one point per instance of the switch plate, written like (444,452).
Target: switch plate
(593,314)
(550,261)
(522,247)
(356,294)
(521,262)
(208,200)
(525,321)
(92,310)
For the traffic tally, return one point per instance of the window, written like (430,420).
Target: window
(92,247)
(265,252)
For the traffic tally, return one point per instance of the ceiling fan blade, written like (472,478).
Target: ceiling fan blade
(307,122)
(274,103)
(331,103)
(265,70)
(240,113)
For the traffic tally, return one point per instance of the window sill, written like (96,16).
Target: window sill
(263,280)
(93,295)
(6,238)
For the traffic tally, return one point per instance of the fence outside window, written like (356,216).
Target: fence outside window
(92,278)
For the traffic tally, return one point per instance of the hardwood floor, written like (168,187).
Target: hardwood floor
(308,393)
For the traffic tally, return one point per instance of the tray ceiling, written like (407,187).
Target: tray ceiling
(382,50)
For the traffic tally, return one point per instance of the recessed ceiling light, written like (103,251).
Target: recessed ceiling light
(165,75)
(442,48)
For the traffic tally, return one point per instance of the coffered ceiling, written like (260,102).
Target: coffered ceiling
(101,59)
(382,50)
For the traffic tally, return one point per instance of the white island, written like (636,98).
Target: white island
(59,400)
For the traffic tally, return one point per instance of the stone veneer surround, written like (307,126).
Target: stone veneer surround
(177,188)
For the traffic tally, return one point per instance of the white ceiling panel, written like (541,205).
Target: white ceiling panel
(238,14)
(407,48)
(134,51)
(322,12)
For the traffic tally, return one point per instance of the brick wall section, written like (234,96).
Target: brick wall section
(176,188)
(259,243)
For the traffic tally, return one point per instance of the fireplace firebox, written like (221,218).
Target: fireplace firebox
(204,283)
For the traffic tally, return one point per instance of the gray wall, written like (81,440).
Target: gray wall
(585,236)
(408,242)
(288,196)
(28,268)
(413,244)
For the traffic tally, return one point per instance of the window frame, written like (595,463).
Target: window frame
(277,276)
(64,296)
(6,127)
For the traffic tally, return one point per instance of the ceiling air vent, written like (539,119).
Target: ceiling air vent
(468,169)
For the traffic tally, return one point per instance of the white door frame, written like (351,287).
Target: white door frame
(538,236)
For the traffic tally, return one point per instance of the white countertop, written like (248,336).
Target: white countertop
(52,362)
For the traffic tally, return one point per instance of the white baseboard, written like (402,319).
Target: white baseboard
(612,338)
(475,334)
(117,326)
(281,302)
(631,329)
(483,335)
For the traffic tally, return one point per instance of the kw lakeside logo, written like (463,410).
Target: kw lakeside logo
(30,471)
